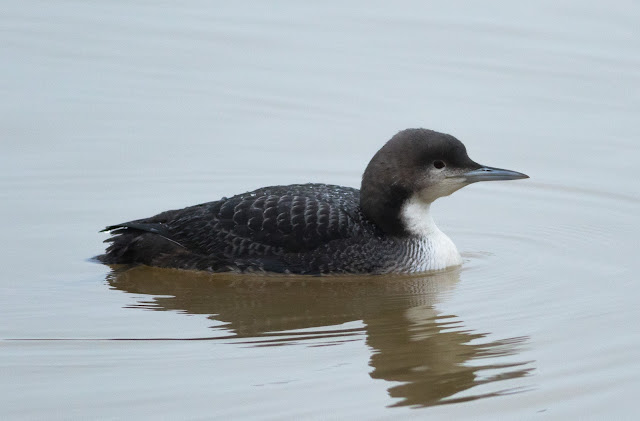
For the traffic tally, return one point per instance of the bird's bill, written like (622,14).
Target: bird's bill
(491,174)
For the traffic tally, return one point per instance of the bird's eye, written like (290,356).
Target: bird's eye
(438,164)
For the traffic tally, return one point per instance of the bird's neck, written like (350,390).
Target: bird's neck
(382,204)
(439,250)
(416,218)
(408,218)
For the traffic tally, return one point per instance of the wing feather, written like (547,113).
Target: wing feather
(267,222)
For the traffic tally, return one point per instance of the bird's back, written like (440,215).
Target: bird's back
(278,228)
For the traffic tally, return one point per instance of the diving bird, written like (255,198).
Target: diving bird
(385,227)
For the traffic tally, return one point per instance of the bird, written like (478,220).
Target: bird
(319,229)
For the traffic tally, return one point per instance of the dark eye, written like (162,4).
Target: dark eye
(438,164)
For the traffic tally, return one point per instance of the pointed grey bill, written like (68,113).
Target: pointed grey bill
(492,174)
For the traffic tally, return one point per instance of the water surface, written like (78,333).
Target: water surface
(117,111)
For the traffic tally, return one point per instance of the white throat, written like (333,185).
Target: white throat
(416,217)
(438,251)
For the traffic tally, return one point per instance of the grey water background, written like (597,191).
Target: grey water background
(112,111)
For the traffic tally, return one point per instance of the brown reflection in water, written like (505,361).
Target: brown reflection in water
(429,353)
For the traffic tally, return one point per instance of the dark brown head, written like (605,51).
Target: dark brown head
(421,165)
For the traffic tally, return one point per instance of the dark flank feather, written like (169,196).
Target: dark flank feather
(275,229)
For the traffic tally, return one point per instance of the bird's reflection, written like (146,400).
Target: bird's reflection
(430,357)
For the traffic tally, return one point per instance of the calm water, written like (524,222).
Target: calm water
(116,111)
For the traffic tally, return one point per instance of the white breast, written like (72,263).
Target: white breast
(430,249)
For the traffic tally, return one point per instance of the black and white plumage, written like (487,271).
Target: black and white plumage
(318,228)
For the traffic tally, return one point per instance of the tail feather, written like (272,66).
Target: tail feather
(131,245)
